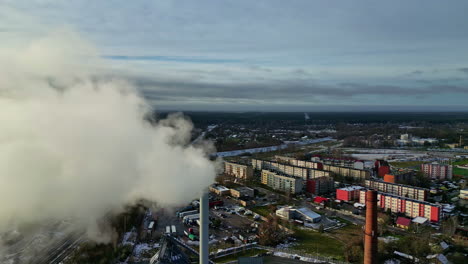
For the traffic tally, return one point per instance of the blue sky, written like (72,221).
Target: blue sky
(269,55)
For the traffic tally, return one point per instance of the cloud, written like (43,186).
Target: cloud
(291,90)
(76,146)
(263,51)
(464,70)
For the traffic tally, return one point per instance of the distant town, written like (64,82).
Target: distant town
(293,187)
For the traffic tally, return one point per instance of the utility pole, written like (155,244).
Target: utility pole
(204,218)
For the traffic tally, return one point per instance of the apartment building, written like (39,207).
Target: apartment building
(437,171)
(409,207)
(299,163)
(296,171)
(399,176)
(241,171)
(398,189)
(282,182)
(348,194)
(359,175)
(382,167)
(320,185)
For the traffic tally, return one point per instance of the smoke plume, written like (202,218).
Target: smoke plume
(74,145)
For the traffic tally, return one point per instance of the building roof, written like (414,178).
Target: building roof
(351,188)
(403,221)
(308,213)
(221,188)
(420,220)
(243,189)
(320,199)
(397,184)
(444,245)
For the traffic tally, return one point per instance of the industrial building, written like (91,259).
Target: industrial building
(437,171)
(242,192)
(304,214)
(241,171)
(320,185)
(282,182)
(409,207)
(219,190)
(412,192)
(348,194)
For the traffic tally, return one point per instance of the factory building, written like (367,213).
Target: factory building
(238,170)
(409,207)
(242,192)
(320,185)
(219,190)
(282,182)
(305,214)
(437,171)
(398,189)
(348,194)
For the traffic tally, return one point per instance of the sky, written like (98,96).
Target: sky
(275,55)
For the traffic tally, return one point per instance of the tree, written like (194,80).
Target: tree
(384,220)
(321,228)
(270,233)
(449,226)
(354,250)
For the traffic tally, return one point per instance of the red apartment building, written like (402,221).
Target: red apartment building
(410,207)
(348,194)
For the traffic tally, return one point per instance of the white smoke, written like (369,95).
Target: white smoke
(76,146)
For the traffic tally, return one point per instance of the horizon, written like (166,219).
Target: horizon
(262,55)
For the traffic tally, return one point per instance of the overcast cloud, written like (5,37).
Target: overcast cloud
(267,55)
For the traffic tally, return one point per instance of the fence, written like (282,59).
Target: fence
(303,256)
(287,253)
(344,212)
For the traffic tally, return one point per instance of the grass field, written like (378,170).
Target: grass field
(462,172)
(262,210)
(407,164)
(459,171)
(313,242)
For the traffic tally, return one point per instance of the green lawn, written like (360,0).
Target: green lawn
(313,242)
(460,162)
(262,210)
(458,171)
(407,164)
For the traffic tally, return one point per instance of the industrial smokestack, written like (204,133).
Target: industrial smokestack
(370,233)
(204,220)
